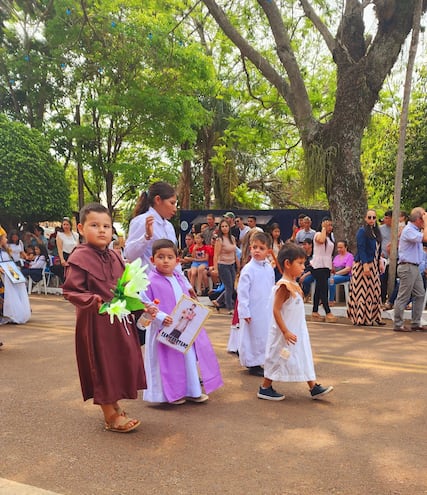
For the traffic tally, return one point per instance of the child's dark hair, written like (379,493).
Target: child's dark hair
(261,237)
(92,207)
(162,189)
(43,252)
(291,252)
(163,244)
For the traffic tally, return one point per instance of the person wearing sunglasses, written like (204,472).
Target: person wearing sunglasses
(364,305)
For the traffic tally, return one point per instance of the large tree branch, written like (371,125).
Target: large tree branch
(320,26)
(295,93)
(260,62)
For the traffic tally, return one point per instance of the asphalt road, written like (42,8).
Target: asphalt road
(367,437)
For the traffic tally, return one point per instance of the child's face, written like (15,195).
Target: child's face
(295,268)
(37,250)
(165,260)
(259,250)
(97,229)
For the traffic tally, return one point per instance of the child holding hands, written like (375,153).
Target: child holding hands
(288,352)
(173,377)
(108,354)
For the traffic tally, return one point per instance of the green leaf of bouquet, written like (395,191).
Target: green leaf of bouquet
(133,304)
(103,308)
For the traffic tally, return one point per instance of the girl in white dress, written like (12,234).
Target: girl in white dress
(288,351)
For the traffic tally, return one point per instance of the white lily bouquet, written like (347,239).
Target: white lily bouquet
(126,293)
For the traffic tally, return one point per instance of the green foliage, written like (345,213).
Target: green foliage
(379,150)
(33,184)
(380,153)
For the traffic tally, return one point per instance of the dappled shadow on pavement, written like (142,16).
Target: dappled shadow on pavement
(367,437)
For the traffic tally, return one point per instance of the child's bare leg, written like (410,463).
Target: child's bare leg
(108,410)
(198,281)
(201,278)
(267,383)
(267,392)
(192,276)
(311,384)
(119,410)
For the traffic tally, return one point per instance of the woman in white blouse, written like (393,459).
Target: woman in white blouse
(66,241)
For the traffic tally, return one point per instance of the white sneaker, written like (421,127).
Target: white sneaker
(202,398)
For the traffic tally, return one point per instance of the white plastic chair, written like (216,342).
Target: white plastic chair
(346,286)
(37,285)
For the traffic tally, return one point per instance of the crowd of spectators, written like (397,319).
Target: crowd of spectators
(327,274)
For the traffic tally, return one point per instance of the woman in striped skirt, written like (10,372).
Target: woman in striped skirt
(364,305)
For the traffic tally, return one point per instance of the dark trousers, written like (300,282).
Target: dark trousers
(227,274)
(321,276)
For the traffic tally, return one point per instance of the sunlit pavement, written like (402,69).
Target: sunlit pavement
(366,437)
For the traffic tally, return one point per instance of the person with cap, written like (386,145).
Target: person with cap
(234,229)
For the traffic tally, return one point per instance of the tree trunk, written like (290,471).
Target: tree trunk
(362,65)
(344,182)
(184,186)
(109,180)
(209,141)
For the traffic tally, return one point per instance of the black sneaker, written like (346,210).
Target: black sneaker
(256,370)
(317,391)
(269,394)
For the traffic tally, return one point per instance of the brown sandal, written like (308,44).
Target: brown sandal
(121,424)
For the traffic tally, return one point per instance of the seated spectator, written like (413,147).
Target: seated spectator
(186,256)
(197,273)
(210,271)
(16,248)
(341,269)
(37,265)
(28,256)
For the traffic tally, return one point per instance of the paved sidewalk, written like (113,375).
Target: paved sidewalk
(365,438)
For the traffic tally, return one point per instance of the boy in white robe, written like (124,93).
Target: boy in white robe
(254,304)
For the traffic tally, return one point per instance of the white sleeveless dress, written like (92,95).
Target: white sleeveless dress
(298,367)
